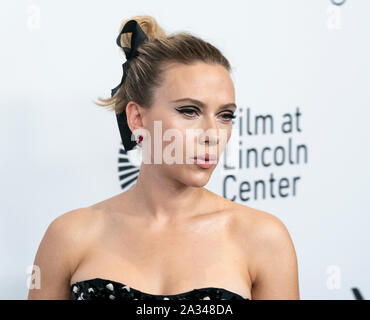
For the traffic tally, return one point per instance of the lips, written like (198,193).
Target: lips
(206,157)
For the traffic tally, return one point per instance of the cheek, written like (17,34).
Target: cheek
(190,138)
(224,135)
(226,139)
(172,136)
(175,125)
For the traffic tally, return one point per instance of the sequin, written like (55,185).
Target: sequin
(103,289)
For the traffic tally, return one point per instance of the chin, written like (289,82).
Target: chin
(198,179)
(197,183)
(190,175)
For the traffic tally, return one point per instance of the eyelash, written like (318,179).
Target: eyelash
(229,115)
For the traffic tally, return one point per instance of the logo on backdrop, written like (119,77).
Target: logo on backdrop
(128,167)
(338,2)
(264,160)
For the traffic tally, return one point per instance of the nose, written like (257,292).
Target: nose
(209,133)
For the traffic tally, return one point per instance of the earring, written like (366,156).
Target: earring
(139,139)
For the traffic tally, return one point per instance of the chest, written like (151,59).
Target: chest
(169,262)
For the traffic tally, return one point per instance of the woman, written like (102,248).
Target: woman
(168,237)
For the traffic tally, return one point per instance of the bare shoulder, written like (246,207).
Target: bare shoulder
(264,226)
(273,259)
(78,229)
(59,252)
(264,237)
(257,224)
(76,225)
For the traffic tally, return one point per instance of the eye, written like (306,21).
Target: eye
(189,112)
(228,116)
(192,111)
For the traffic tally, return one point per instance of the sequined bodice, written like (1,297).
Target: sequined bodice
(102,289)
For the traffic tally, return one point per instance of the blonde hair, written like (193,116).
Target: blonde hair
(145,72)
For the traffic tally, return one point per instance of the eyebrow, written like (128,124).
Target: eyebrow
(202,104)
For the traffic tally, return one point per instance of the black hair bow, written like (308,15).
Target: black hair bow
(138,37)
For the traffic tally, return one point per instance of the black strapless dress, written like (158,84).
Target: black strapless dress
(103,289)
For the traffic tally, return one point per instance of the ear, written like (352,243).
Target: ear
(134,114)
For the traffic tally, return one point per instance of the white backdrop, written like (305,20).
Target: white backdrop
(60,152)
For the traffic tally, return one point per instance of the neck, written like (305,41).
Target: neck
(163,199)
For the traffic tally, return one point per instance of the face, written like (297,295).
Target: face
(194,106)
